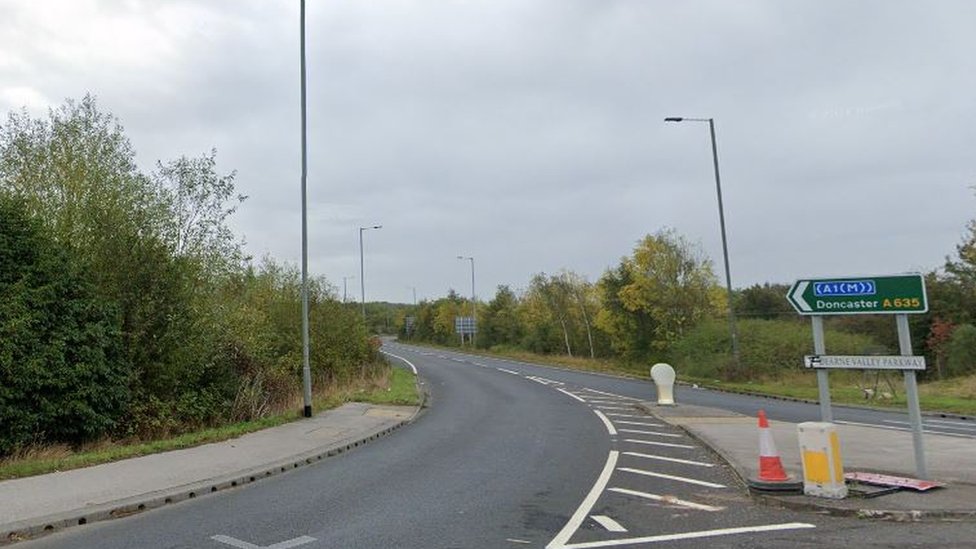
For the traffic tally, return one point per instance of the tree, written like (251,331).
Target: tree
(667,286)
(500,323)
(766,301)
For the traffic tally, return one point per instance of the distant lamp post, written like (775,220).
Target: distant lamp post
(362,266)
(306,369)
(414,288)
(344,279)
(474,310)
(721,219)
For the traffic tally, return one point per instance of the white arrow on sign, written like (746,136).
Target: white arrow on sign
(797,295)
(234,542)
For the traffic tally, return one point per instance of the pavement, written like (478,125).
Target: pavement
(951,460)
(33,506)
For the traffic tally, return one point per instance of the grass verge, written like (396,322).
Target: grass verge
(395,387)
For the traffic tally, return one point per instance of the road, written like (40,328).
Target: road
(508,455)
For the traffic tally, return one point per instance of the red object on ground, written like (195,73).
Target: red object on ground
(770,464)
(893,481)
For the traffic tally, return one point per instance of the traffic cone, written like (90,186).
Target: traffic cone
(770,465)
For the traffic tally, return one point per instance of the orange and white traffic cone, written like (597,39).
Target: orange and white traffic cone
(770,465)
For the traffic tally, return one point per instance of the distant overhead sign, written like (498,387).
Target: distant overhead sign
(900,294)
(846,362)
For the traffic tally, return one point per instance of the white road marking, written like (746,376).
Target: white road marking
(667,499)
(671,459)
(967,428)
(610,428)
(613,408)
(525,541)
(564,391)
(537,380)
(642,424)
(234,542)
(890,428)
(689,535)
(611,394)
(608,523)
(508,371)
(969,425)
(671,477)
(653,443)
(588,502)
(654,433)
(412,367)
(627,415)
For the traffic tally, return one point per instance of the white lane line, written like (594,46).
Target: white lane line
(654,433)
(627,415)
(969,425)
(513,540)
(608,523)
(610,428)
(588,502)
(902,429)
(288,544)
(671,477)
(514,373)
(611,394)
(537,380)
(641,423)
(565,392)
(670,459)
(667,499)
(691,535)
(966,429)
(412,367)
(653,443)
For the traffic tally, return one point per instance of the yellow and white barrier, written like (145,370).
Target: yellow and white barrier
(823,470)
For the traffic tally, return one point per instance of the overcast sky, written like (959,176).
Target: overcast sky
(529,133)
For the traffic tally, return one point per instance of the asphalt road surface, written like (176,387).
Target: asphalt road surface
(511,455)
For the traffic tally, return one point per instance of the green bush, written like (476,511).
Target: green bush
(62,377)
(962,351)
(767,348)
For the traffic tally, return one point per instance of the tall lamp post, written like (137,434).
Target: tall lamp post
(362,267)
(474,311)
(306,369)
(721,219)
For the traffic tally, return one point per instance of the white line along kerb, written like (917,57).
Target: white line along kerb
(412,367)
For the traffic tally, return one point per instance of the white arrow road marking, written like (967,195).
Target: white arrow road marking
(608,523)
(288,544)
(797,295)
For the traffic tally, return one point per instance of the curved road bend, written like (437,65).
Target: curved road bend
(502,460)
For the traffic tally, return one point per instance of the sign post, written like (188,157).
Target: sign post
(899,295)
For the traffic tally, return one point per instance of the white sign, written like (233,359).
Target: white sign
(865,362)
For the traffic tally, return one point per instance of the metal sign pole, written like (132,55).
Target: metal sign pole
(911,392)
(823,381)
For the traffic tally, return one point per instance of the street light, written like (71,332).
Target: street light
(362,268)
(474,311)
(344,279)
(414,288)
(306,369)
(721,219)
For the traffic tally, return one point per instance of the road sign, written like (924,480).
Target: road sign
(465,325)
(846,362)
(900,294)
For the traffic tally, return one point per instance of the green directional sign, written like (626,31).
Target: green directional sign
(859,295)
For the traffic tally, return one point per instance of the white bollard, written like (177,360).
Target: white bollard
(663,376)
(823,470)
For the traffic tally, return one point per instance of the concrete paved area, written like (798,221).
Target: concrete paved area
(951,460)
(32,505)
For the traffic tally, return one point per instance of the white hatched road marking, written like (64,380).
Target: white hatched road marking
(641,423)
(667,499)
(608,523)
(655,443)
(654,433)
(508,371)
(611,394)
(671,459)
(610,428)
(626,415)
(688,535)
(614,407)
(565,392)
(671,477)
(588,502)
